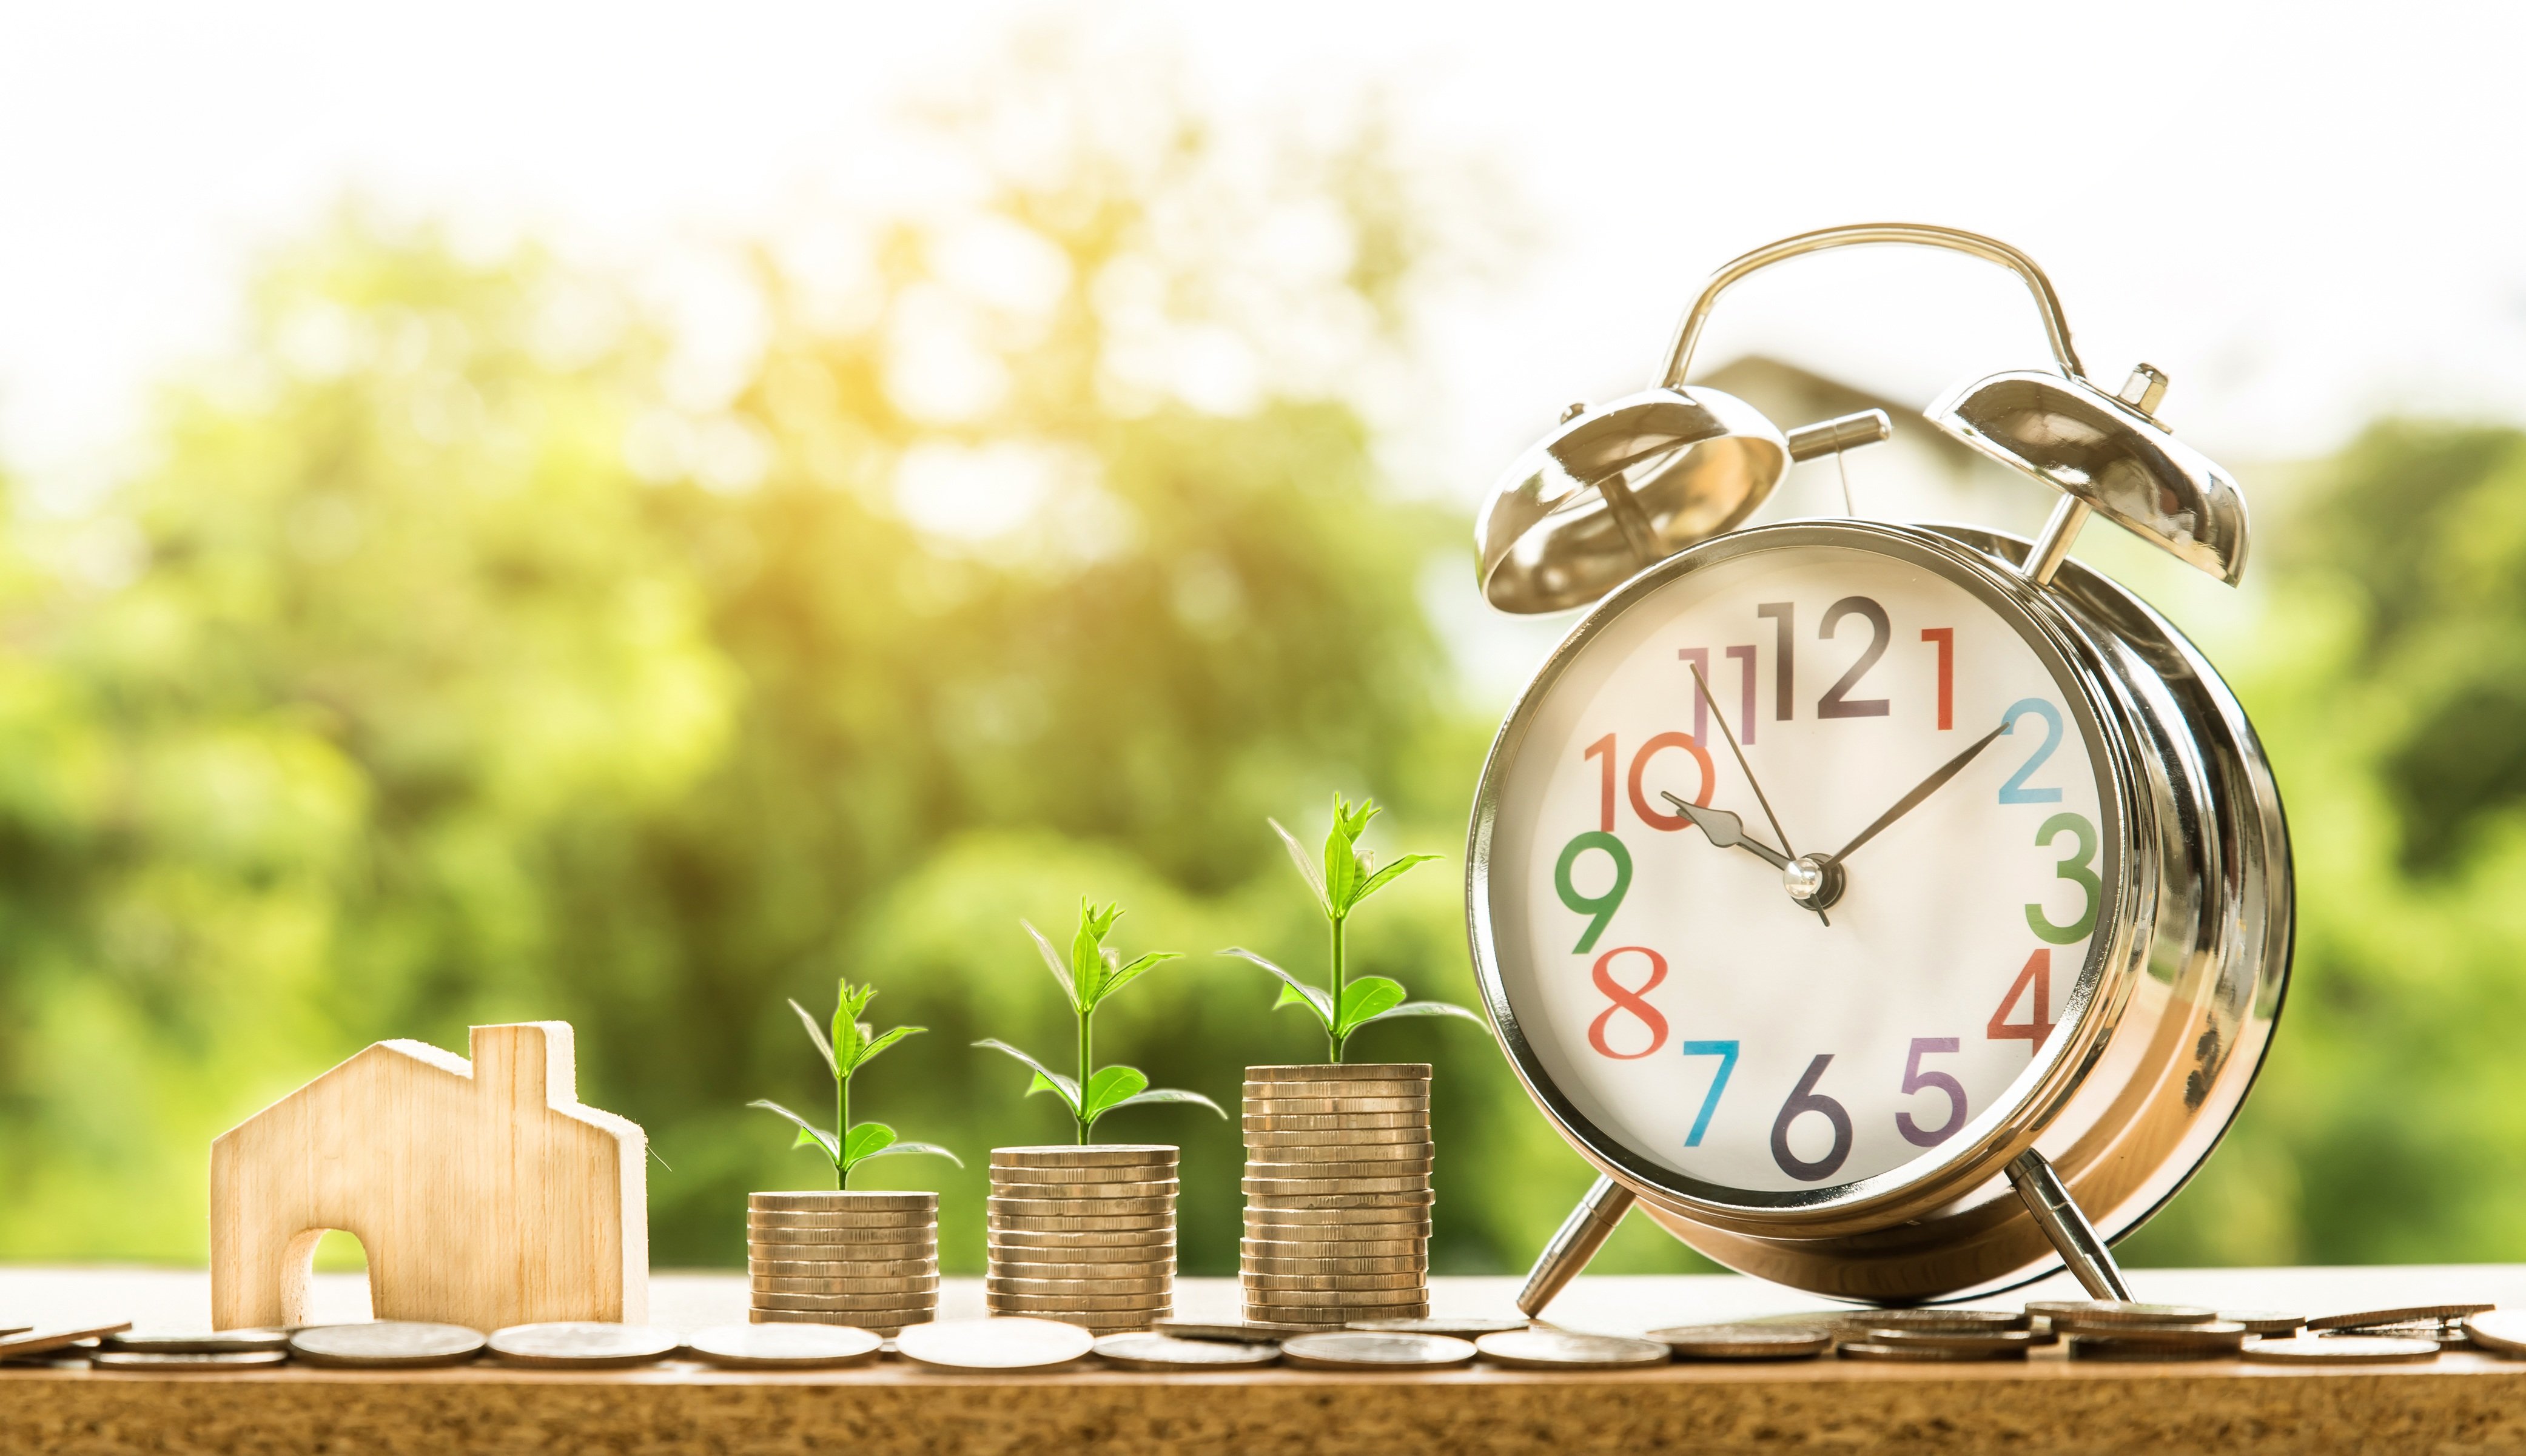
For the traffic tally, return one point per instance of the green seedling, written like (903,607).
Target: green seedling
(1349,875)
(1089,975)
(852,1047)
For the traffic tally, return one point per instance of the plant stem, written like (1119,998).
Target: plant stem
(1086,1050)
(842,1130)
(1341,980)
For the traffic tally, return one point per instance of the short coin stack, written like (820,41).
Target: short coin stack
(2115,1329)
(1083,1234)
(864,1259)
(1337,1193)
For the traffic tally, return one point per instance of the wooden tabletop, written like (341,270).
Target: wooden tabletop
(2464,1400)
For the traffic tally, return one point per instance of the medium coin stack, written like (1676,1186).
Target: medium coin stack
(1337,1193)
(864,1259)
(1085,1234)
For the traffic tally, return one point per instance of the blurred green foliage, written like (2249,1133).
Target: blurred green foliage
(448,662)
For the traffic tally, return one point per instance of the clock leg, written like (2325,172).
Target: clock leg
(2072,1236)
(1574,1243)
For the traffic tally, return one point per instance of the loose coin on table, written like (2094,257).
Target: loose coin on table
(1166,1352)
(1954,1320)
(2502,1331)
(1367,1350)
(157,1362)
(2341,1349)
(1993,1341)
(2265,1320)
(38,1339)
(1462,1326)
(583,1344)
(1562,1349)
(1746,1341)
(196,1342)
(785,1346)
(385,1344)
(2063,1312)
(2407,1315)
(1002,1345)
(1252,1331)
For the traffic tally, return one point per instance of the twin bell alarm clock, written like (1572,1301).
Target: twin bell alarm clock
(1895,911)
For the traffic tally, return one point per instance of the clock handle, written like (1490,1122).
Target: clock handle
(1574,1243)
(2056,328)
(2073,1237)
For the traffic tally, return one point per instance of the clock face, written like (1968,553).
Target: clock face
(1673,991)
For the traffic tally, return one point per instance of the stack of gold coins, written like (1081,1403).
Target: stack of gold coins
(1337,1193)
(1084,1233)
(864,1259)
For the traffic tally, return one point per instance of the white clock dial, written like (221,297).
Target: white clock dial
(1673,990)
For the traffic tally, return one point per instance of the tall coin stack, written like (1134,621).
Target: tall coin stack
(864,1259)
(1337,1193)
(1084,1233)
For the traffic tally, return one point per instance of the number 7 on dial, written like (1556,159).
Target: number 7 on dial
(1726,1052)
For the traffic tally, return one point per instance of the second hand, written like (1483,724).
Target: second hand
(1721,717)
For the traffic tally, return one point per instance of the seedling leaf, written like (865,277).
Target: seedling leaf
(1135,970)
(1170,1094)
(1429,1008)
(898,1150)
(869,1047)
(1053,962)
(1306,866)
(1111,1087)
(1316,998)
(1365,1000)
(1378,880)
(816,1033)
(807,1131)
(1045,1079)
(866,1140)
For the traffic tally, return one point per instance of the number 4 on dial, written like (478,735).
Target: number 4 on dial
(2036,975)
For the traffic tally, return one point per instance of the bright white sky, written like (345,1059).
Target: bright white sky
(2304,214)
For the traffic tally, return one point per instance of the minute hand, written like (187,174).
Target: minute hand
(1927,787)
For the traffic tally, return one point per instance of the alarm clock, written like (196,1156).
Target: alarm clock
(1899,912)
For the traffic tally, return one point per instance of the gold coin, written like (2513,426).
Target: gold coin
(1463,1326)
(583,1344)
(2218,1334)
(757,1221)
(1956,1320)
(845,1303)
(907,1285)
(1328,1242)
(1385,1264)
(1320,1124)
(1262,1095)
(1067,1155)
(784,1346)
(1321,1202)
(1001,1283)
(1160,1236)
(1360,1349)
(2121,1312)
(1950,1340)
(1047,1223)
(1400,1182)
(1746,1341)
(1336,1307)
(198,1343)
(162,1362)
(2265,1320)
(1340,1071)
(1229,1329)
(2407,1315)
(836,1269)
(1079,1208)
(838,1202)
(2503,1331)
(1277,1108)
(1000,1345)
(382,1344)
(832,1251)
(1059,1304)
(1071,1187)
(1411,1282)
(1561,1349)
(1353,1177)
(876,1320)
(1165,1352)
(1352,1226)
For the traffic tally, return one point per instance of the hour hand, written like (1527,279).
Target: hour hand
(1724,830)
